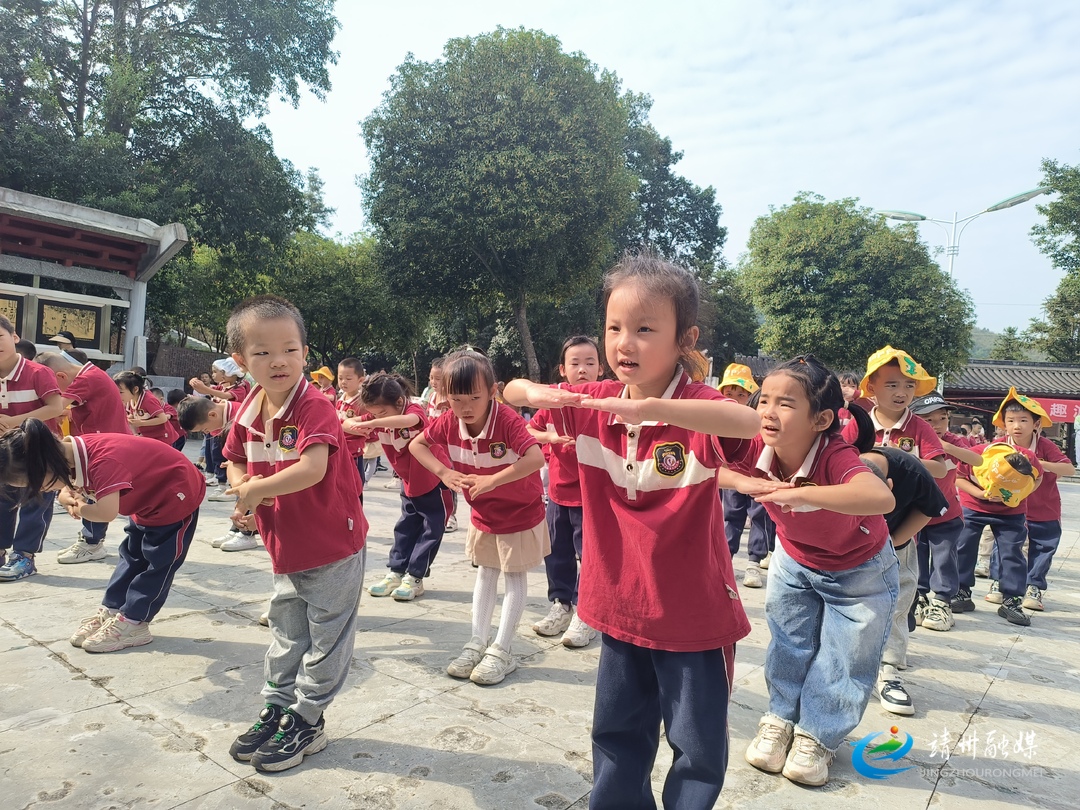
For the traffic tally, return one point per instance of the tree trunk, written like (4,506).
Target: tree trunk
(531,365)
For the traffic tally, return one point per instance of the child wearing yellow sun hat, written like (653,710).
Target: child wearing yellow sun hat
(1044,504)
(996,493)
(738,383)
(323,378)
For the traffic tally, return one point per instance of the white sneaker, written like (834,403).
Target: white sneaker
(451,523)
(496,664)
(241,542)
(578,634)
(229,535)
(90,625)
(117,634)
(557,620)
(982,569)
(410,588)
(80,551)
(764,564)
(218,495)
(264,619)
(752,577)
(471,655)
(938,616)
(807,762)
(768,750)
(393,483)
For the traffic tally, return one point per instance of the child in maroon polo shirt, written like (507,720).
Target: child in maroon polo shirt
(288,460)
(27,389)
(95,405)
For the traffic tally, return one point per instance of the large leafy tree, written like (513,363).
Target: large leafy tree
(1057,332)
(1010,345)
(833,279)
(498,173)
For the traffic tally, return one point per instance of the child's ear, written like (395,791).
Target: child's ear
(823,420)
(239,358)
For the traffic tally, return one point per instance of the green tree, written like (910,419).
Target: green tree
(1010,345)
(833,279)
(1057,333)
(498,173)
(1059,236)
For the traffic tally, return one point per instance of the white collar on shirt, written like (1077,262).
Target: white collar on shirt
(768,455)
(254,404)
(20,364)
(901,423)
(1034,441)
(79,478)
(463,429)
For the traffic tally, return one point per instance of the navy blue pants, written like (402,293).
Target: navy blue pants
(564,527)
(93,533)
(937,559)
(24,528)
(419,531)
(1010,534)
(1043,539)
(636,689)
(737,507)
(149,559)
(180,442)
(217,458)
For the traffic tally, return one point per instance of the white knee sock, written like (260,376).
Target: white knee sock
(483,601)
(513,606)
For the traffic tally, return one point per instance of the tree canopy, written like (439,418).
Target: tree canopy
(833,279)
(498,172)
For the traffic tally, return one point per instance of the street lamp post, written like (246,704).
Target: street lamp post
(949,226)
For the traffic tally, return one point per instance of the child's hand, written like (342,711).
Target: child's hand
(788,499)
(541,396)
(628,411)
(455,480)
(9,422)
(67,497)
(247,494)
(355,426)
(479,484)
(569,441)
(760,486)
(244,520)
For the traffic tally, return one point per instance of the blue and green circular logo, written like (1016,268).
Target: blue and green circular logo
(868,759)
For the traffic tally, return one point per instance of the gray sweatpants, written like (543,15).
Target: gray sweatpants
(312,629)
(896,647)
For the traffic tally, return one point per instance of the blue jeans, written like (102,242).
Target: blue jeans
(636,688)
(1010,533)
(829,630)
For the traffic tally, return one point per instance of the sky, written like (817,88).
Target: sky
(940,108)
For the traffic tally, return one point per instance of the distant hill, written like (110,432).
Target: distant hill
(982,341)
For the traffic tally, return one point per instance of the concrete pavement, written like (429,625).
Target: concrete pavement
(151,727)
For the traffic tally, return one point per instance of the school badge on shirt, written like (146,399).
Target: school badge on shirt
(287,437)
(906,443)
(670,459)
(497,449)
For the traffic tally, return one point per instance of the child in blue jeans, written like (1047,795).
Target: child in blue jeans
(833,581)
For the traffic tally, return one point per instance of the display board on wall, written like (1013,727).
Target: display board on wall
(13,307)
(82,320)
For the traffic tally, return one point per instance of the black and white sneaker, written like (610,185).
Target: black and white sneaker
(265,727)
(962,602)
(895,699)
(294,740)
(1012,610)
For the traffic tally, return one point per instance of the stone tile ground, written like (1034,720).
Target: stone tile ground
(151,727)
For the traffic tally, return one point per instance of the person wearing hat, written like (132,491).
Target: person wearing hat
(939,582)
(64,340)
(323,378)
(892,380)
(986,504)
(738,384)
(1044,504)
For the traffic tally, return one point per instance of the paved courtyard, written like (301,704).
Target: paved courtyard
(998,707)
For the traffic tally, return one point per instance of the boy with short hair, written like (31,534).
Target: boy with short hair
(27,389)
(738,384)
(1007,521)
(350,372)
(95,406)
(1023,420)
(287,460)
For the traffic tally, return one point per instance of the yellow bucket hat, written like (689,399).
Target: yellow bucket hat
(1029,405)
(740,375)
(924,383)
(998,474)
(323,371)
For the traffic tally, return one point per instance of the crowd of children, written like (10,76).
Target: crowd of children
(866,514)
